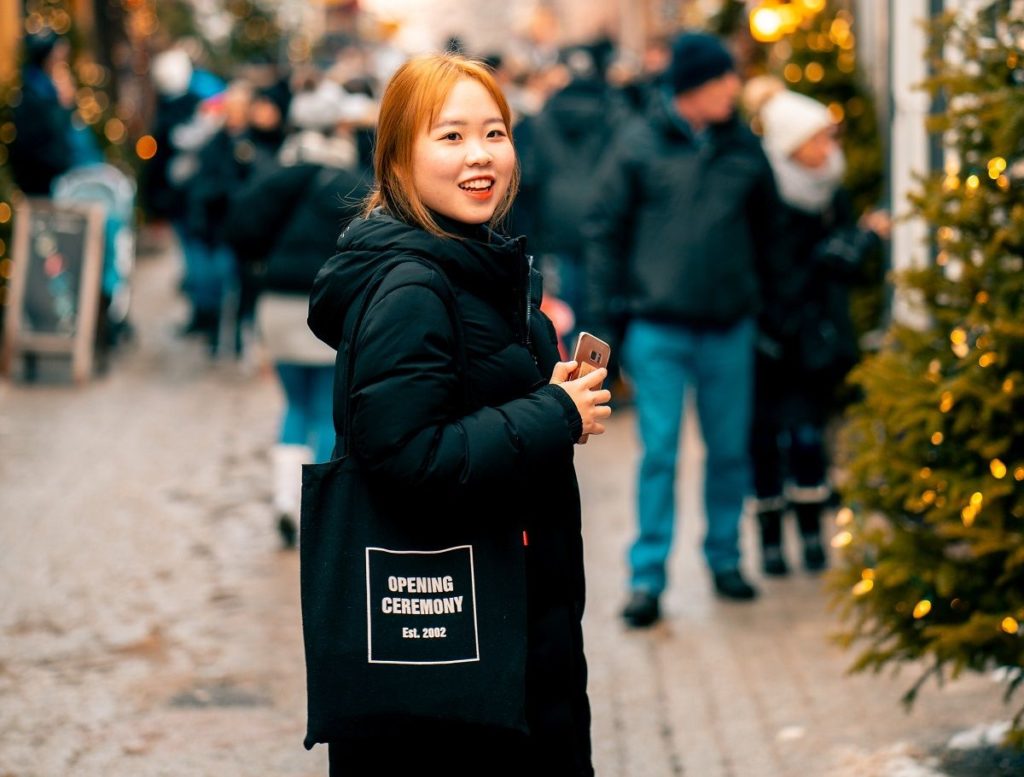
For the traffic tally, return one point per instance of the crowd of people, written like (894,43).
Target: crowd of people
(712,257)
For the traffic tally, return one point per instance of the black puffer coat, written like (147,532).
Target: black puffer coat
(510,453)
(682,231)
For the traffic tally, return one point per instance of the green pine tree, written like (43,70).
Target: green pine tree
(932,567)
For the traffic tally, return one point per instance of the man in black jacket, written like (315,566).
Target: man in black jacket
(680,244)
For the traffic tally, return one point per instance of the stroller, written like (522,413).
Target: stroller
(105,184)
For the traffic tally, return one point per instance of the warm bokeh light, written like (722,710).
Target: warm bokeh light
(145,147)
(863,586)
(842,539)
(922,608)
(766,24)
(998,469)
(1010,625)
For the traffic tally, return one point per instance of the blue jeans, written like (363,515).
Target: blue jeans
(308,416)
(663,360)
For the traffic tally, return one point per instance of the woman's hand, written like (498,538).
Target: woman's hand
(591,402)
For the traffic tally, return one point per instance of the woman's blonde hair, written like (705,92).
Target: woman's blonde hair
(412,101)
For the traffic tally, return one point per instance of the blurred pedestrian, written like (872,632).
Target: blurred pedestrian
(43,148)
(246,142)
(681,250)
(283,225)
(798,375)
(560,151)
(498,437)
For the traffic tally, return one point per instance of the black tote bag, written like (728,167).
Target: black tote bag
(408,616)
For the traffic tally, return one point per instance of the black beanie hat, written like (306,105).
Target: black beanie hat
(39,45)
(697,57)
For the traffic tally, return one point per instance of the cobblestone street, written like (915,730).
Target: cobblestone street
(149,623)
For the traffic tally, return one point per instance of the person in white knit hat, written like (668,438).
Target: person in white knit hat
(797,378)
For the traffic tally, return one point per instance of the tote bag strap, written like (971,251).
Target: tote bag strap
(346,355)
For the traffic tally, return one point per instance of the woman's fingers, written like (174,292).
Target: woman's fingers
(593,380)
(562,371)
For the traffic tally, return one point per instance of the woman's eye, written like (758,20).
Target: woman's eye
(496,133)
(451,136)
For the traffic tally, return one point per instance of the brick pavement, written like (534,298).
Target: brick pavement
(149,625)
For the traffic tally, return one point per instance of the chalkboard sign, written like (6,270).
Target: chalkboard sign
(54,291)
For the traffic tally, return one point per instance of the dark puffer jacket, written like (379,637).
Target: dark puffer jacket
(510,453)
(683,231)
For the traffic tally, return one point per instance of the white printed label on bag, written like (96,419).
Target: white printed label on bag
(421,606)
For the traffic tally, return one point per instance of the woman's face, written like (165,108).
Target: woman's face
(816,150)
(463,164)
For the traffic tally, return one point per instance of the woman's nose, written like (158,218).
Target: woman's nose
(477,153)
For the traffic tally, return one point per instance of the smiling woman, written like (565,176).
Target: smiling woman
(455,414)
(441,128)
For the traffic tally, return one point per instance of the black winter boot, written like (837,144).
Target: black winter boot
(808,518)
(772,559)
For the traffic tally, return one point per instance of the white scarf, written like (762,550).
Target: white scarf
(809,189)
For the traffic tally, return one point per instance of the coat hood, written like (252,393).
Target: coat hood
(479,260)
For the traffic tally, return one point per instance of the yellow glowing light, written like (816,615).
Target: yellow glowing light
(1018,474)
(1009,625)
(922,608)
(842,539)
(836,112)
(867,574)
(951,183)
(792,73)
(766,24)
(6,269)
(982,298)
(988,359)
(790,17)
(946,233)
(1008,386)
(946,403)
(937,438)
(1004,182)
(145,147)
(839,30)
(114,130)
(928,497)
(813,6)
(863,586)
(958,336)
(844,516)
(925,473)
(961,350)
(814,72)
(968,514)
(5,212)
(977,498)
(973,182)
(998,164)
(998,469)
